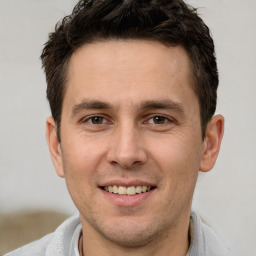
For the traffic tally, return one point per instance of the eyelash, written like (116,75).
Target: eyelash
(162,118)
(90,120)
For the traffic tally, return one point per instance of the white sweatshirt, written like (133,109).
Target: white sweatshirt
(64,241)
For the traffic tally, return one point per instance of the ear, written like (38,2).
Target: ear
(54,146)
(212,142)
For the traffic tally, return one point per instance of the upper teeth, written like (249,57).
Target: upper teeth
(132,190)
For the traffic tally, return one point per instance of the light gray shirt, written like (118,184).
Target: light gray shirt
(64,241)
(204,241)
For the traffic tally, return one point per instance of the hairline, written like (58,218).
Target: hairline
(95,40)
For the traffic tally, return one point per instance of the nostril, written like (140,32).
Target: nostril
(126,154)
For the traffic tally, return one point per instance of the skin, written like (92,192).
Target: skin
(130,115)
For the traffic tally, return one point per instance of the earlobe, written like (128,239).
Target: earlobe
(212,142)
(54,146)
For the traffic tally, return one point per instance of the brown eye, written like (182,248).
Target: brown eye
(159,119)
(97,120)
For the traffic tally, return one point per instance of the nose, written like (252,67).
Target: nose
(127,149)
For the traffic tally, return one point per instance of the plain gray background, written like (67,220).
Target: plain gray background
(225,197)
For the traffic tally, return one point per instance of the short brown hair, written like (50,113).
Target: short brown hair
(171,22)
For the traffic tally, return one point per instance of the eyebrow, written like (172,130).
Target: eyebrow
(163,104)
(166,104)
(90,104)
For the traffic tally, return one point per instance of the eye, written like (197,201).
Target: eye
(158,120)
(96,120)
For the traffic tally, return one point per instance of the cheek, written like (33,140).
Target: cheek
(178,159)
(79,178)
(82,152)
(81,160)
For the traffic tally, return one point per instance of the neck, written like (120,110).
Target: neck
(174,242)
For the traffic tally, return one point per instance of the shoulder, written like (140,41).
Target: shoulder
(54,244)
(204,241)
(37,248)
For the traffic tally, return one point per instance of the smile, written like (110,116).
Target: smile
(127,191)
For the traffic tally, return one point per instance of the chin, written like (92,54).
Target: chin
(133,233)
(130,238)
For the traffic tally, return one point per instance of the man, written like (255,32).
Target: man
(132,89)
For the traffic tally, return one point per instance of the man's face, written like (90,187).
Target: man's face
(130,119)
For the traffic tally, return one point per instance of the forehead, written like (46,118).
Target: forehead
(141,70)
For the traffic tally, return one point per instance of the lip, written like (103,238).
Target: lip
(127,183)
(127,200)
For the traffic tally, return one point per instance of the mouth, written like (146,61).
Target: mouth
(127,191)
